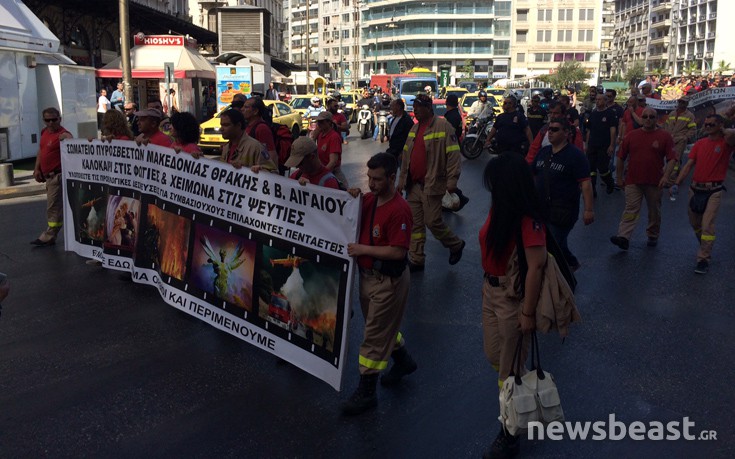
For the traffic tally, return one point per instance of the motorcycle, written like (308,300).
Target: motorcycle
(365,122)
(473,143)
(382,124)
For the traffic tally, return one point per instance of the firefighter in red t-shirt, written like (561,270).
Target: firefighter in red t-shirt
(310,170)
(709,157)
(48,170)
(646,150)
(381,251)
(329,145)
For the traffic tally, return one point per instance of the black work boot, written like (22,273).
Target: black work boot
(505,446)
(364,396)
(403,365)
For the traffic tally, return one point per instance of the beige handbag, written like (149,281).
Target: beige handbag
(532,397)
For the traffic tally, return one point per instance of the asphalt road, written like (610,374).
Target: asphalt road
(92,365)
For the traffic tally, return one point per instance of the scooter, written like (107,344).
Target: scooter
(365,122)
(474,142)
(382,124)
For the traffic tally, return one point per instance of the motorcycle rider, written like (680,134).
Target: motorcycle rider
(479,106)
(383,106)
(315,108)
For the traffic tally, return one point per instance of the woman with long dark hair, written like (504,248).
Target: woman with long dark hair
(508,315)
(185,131)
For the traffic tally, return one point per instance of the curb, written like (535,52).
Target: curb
(22,191)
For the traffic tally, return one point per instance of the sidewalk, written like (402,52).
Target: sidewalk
(24,185)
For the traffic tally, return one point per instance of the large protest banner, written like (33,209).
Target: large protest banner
(258,256)
(708,102)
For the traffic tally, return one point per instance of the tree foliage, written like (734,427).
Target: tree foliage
(469,68)
(567,74)
(693,68)
(723,67)
(635,73)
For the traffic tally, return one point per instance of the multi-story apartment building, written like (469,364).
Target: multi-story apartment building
(464,35)
(607,35)
(674,36)
(548,32)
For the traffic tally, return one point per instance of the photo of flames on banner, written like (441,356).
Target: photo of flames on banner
(263,289)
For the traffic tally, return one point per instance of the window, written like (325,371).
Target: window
(564,35)
(522,15)
(502,9)
(335,51)
(502,28)
(326,51)
(584,35)
(502,47)
(326,20)
(345,50)
(565,14)
(544,15)
(521,36)
(543,35)
(346,17)
(346,33)
(542,57)
(521,57)
(587,14)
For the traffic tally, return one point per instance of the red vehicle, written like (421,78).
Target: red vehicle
(279,310)
(385,81)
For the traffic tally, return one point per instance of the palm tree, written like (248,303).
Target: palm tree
(723,67)
(692,68)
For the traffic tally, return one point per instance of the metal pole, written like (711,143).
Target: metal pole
(308,48)
(375,66)
(341,70)
(127,73)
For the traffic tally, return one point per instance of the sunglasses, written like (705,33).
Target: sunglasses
(709,125)
(649,117)
(554,129)
(50,120)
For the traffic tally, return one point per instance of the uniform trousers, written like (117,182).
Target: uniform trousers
(54,207)
(500,326)
(634,195)
(427,213)
(599,163)
(383,302)
(679,147)
(704,225)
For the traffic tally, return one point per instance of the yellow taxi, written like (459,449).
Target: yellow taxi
(466,102)
(350,99)
(300,103)
(497,93)
(282,114)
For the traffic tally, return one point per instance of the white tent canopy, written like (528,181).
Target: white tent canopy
(20,29)
(147,62)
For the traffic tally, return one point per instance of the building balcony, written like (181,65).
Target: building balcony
(713,15)
(661,7)
(666,24)
(660,41)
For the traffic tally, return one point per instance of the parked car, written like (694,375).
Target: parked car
(211,138)
(497,93)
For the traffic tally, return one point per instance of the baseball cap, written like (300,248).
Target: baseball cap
(300,148)
(324,116)
(153,112)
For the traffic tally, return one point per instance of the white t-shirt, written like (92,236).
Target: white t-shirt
(103,104)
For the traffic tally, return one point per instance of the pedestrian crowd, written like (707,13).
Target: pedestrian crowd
(549,162)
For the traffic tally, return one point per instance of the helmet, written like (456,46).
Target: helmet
(557,92)
(372,92)
(385,98)
(314,99)
(427,88)
(548,92)
(482,94)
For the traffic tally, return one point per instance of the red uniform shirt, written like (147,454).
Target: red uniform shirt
(331,182)
(160,139)
(646,151)
(629,121)
(50,150)
(711,158)
(532,232)
(187,148)
(263,134)
(327,144)
(391,225)
(338,119)
(122,137)
(417,164)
